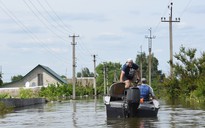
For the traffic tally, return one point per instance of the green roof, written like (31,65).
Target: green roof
(50,71)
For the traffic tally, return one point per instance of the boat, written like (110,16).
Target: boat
(125,103)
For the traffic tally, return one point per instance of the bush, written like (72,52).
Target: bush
(5,109)
(199,93)
(26,93)
(4,96)
(56,92)
(172,87)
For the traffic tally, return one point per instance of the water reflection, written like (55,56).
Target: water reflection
(74,113)
(133,123)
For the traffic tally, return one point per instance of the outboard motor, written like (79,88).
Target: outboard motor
(133,100)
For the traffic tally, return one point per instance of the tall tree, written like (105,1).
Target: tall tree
(142,58)
(186,69)
(112,70)
(16,78)
(85,72)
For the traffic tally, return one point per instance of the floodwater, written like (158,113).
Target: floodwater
(91,113)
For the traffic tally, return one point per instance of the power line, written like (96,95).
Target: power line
(159,22)
(187,5)
(66,27)
(53,19)
(25,29)
(84,49)
(35,14)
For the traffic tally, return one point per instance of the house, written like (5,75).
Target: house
(39,76)
(83,81)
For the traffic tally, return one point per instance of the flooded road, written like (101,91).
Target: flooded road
(91,113)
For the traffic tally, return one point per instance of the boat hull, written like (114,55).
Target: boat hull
(116,110)
(125,103)
(123,110)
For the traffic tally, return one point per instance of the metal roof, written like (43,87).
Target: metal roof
(54,74)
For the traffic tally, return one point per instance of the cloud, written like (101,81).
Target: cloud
(83,17)
(197,9)
(109,37)
(135,30)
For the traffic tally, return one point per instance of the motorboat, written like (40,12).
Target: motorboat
(125,103)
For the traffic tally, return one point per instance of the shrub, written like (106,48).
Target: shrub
(4,109)
(4,96)
(26,93)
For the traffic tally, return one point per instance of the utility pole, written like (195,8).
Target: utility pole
(107,88)
(163,19)
(115,74)
(104,72)
(150,37)
(141,61)
(94,60)
(74,63)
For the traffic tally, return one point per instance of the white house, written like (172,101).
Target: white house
(39,76)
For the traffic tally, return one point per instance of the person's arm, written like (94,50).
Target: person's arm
(152,92)
(121,76)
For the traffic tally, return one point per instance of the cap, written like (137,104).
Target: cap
(143,79)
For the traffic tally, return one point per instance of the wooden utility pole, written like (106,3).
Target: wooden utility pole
(74,63)
(115,79)
(104,72)
(141,61)
(163,19)
(150,37)
(94,60)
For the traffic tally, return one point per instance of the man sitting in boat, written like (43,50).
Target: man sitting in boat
(129,73)
(146,91)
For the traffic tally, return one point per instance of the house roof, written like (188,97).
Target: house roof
(54,74)
(48,70)
(51,72)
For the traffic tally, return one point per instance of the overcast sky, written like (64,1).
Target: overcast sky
(37,32)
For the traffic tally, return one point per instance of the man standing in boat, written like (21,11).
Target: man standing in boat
(129,73)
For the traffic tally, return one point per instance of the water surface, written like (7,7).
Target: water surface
(91,113)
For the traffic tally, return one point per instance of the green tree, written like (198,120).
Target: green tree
(16,78)
(142,58)
(79,74)
(112,69)
(186,70)
(85,72)
(63,76)
(145,63)
(189,71)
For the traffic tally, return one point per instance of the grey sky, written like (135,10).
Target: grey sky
(37,32)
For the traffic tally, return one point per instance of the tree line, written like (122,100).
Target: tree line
(187,81)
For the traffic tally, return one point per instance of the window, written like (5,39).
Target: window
(40,79)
